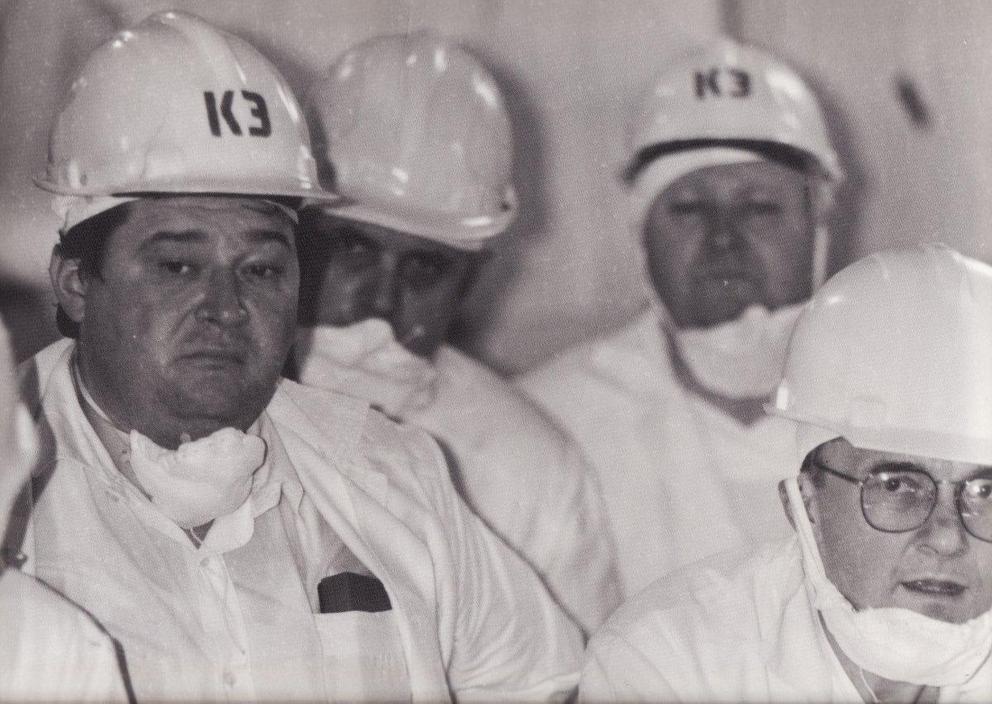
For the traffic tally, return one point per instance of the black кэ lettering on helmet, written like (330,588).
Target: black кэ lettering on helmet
(732,82)
(259,110)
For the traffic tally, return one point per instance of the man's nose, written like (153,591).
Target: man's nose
(944,533)
(222,302)
(385,290)
(723,229)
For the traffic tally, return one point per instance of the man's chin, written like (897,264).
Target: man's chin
(214,404)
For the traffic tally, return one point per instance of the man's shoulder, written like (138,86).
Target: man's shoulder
(578,359)
(351,430)
(593,357)
(476,403)
(594,381)
(708,632)
(722,602)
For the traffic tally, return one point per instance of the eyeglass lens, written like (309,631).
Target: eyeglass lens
(901,500)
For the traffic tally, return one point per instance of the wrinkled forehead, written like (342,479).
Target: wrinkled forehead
(209,216)
(858,462)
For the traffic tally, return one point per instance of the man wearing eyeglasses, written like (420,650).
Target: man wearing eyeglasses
(885,592)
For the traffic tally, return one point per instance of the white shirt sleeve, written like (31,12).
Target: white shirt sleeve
(616,671)
(512,642)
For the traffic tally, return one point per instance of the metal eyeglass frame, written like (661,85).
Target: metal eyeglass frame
(958,487)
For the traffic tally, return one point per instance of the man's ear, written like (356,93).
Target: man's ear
(805,489)
(69,283)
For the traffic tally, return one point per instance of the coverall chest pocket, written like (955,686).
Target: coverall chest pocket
(363,657)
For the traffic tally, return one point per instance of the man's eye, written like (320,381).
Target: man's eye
(350,244)
(424,270)
(979,489)
(353,247)
(899,483)
(264,271)
(176,267)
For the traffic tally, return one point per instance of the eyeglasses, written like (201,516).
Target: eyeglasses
(897,499)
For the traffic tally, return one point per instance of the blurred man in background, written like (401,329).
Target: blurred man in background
(729,176)
(50,650)
(884,592)
(241,536)
(414,135)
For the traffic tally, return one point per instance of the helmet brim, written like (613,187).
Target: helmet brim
(468,233)
(275,189)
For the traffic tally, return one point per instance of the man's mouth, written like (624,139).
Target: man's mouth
(935,587)
(214,356)
(727,283)
(724,268)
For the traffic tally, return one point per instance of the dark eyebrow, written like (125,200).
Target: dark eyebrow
(270,236)
(173,236)
(184,236)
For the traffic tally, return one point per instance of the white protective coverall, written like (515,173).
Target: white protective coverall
(734,628)
(50,650)
(472,619)
(681,478)
(519,472)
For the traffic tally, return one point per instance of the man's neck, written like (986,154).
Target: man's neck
(116,441)
(113,438)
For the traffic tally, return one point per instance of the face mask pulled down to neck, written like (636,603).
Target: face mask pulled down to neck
(197,482)
(898,644)
(364,360)
(741,358)
(201,480)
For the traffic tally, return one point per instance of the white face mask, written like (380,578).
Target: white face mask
(201,480)
(741,358)
(365,361)
(898,644)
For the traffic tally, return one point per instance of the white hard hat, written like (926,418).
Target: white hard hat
(731,95)
(894,353)
(174,105)
(417,139)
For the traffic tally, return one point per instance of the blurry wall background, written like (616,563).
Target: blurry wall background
(901,80)
(908,90)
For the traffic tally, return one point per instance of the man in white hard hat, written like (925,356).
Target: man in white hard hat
(241,537)
(50,650)
(884,592)
(415,137)
(729,175)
